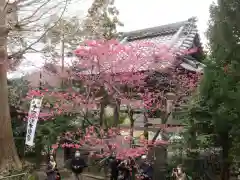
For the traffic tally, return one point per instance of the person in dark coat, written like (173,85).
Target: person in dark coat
(124,168)
(51,168)
(147,169)
(114,162)
(78,164)
(132,168)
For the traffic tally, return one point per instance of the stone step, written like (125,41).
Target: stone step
(90,176)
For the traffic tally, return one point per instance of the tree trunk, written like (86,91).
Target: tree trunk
(9,158)
(130,114)
(116,113)
(62,58)
(145,125)
(192,154)
(226,163)
(101,123)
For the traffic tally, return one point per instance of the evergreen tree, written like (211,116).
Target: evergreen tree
(102,20)
(67,33)
(217,105)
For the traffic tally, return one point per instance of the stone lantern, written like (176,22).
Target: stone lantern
(170,96)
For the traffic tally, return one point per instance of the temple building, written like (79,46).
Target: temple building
(183,38)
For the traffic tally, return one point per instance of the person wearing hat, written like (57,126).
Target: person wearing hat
(78,164)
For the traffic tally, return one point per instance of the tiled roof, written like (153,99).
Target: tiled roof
(164,34)
(50,75)
(180,36)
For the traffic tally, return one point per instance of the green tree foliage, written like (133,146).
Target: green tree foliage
(17,89)
(224,33)
(68,30)
(46,132)
(102,20)
(213,118)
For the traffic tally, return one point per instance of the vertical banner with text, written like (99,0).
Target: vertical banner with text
(33,114)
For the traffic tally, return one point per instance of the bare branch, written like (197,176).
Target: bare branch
(27,3)
(35,12)
(6,5)
(38,40)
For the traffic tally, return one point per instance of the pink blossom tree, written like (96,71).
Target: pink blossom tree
(115,73)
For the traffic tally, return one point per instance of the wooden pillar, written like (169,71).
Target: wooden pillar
(160,152)
(158,156)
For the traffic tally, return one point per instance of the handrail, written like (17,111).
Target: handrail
(15,175)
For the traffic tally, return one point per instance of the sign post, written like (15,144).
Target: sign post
(33,114)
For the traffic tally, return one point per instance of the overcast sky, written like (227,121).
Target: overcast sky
(140,14)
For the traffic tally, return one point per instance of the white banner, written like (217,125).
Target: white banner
(33,114)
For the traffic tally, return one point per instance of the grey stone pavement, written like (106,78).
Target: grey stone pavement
(42,176)
(86,177)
